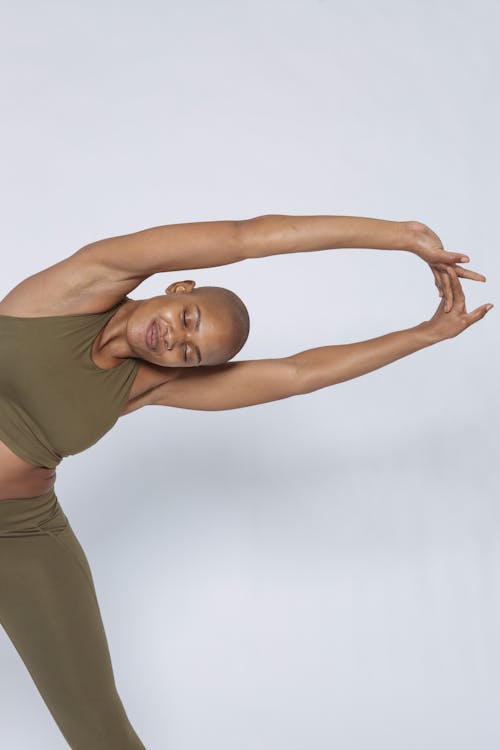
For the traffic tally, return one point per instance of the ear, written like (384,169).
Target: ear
(180,286)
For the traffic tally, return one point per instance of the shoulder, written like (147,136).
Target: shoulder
(76,285)
(149,377)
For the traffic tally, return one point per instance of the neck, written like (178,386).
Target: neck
(112,343)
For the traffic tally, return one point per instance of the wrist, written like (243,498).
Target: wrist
(410,233)
(418,235)
(427,334)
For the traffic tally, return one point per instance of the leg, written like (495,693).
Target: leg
(49,610)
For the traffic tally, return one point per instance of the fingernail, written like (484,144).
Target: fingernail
(464,259)
(488,307)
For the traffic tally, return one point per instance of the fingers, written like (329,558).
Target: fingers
(466,273)
(458,257)
(448,294)
(446,278)
(457,291)
(478,313)
(437,279)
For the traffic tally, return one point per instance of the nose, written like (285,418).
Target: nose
(168,338)
(173,338)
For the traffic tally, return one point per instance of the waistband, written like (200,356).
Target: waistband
(27,516)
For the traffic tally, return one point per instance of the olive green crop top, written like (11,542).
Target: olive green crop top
(54,400)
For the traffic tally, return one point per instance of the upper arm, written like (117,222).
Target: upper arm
(230,386)
(75,284)
(172,247)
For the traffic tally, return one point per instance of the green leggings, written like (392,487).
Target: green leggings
(49,610)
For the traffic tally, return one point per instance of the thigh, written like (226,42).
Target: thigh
(49,610)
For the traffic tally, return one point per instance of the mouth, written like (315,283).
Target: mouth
(152,336)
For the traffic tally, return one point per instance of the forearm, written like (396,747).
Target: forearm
(329,365)
(273,234)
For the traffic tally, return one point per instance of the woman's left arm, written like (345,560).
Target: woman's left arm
(205,244)
(275,234)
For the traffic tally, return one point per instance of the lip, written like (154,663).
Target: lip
(151,335)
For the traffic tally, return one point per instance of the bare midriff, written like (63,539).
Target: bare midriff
(20,479)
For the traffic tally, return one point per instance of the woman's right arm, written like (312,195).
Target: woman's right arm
(246,383)
(329,365)
(249,382)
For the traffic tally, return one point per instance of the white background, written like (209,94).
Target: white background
(320,572)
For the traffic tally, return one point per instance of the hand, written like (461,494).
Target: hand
(426,244)
(447,325)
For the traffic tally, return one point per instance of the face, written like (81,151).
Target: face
(186,327)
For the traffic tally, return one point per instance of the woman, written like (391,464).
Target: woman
(77,353)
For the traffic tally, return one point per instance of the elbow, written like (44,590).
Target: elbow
(255,235)
(302,381)
(308,378)
(248,235)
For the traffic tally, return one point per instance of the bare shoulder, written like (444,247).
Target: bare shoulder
(147,381)
(78,284)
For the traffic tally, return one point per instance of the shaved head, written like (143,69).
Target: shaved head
(234,310)
(188,326)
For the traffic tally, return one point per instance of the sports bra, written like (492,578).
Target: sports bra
(54,400)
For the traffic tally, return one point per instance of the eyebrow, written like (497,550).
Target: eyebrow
(196,328)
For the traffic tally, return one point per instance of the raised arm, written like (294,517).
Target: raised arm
(249,382)
(246,383)
(274,234)
(203,244)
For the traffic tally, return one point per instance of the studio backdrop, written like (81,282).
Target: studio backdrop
(323,571)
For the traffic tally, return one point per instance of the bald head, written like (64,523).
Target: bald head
(188,326)
(234,313)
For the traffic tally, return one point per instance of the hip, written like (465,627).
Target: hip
(20,479)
